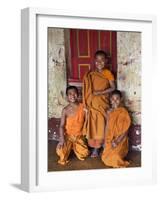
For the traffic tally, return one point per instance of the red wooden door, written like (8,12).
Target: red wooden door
(83,45)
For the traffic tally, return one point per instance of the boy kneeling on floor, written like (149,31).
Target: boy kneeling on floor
(71,137)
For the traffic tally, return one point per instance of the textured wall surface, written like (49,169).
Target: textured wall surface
(56,72)
(129,71)
(128,74)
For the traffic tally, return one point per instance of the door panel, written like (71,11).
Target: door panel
(83,45)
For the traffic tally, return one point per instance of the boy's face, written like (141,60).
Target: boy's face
(115,101)
(100,62)
(72,96)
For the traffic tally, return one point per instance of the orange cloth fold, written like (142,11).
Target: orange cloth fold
(73,138)
(74,124)
(118,123)
(96,105)
(75,143)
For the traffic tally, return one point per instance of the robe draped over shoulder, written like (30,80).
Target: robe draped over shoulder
(97,105)
(118,123)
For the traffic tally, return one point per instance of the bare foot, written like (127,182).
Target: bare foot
(94,153)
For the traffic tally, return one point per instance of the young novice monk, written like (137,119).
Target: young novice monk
(71,137)
(97,86)
(116,139)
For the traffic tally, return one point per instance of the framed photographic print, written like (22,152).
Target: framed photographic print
(78,70)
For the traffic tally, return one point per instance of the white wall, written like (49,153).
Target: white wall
(10,98)
(56,72)
(129,71)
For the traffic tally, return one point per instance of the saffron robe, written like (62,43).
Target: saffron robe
(97,106)
(73,138)
(118,123)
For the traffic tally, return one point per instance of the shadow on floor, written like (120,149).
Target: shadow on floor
(88,163)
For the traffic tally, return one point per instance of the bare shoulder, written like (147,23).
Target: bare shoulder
(65,109)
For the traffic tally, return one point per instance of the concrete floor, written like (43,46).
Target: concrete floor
(89,163)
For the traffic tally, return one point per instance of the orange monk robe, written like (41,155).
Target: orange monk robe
(97,105)
(118,124)
(73,138)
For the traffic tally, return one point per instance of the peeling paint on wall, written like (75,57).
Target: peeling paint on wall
(56,72)
(129,71)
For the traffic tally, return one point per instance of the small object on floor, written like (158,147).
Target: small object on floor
(95,153)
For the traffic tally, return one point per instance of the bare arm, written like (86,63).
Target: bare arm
(61,128)
(107,118)
(112,88)
(119,139)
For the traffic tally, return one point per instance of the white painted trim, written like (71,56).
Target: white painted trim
(28,101)
(93,14)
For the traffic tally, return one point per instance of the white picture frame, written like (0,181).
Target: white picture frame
(34,174)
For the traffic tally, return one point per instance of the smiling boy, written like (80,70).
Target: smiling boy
(71,137)
(116,139)
(97,86)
